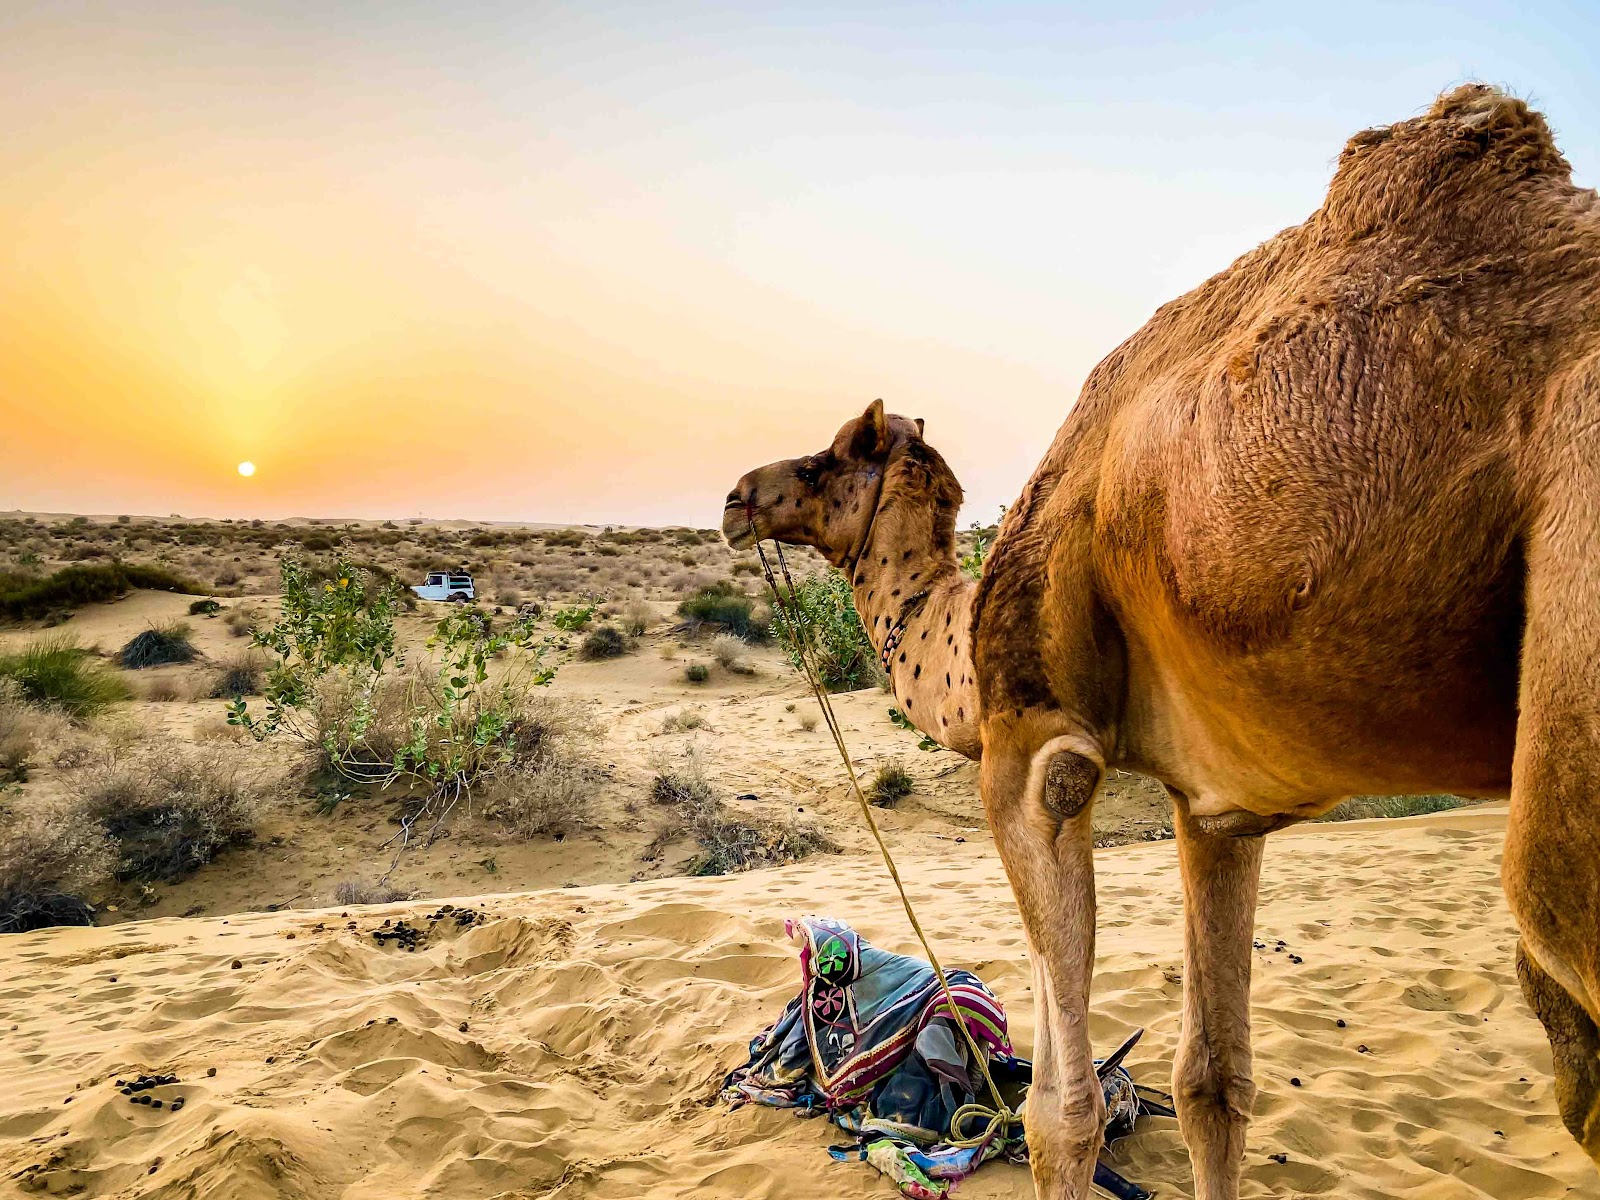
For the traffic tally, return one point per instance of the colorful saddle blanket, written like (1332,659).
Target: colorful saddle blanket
(871,1042)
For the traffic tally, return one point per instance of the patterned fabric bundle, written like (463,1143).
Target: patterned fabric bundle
(870,1041)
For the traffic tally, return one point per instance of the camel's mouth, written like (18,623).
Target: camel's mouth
(737,530)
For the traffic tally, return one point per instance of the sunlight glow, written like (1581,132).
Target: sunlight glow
(247,469)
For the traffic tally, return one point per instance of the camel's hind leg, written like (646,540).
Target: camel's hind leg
(1552,860)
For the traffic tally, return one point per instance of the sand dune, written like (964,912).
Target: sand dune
(569,1044)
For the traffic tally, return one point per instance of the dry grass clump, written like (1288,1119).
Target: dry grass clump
(172,811)
(808,721)
(637,617)
(548,787)
(48,855)
(890,785)
(163,689)
(730,841)
(30,734)
(159,646)
(728,651)
(242,622)
(241,675)
(356,891)
(684,720)
(697,672)
(607,641)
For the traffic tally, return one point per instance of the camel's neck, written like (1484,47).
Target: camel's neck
(909,586)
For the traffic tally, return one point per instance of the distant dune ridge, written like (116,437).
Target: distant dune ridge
(570,1044)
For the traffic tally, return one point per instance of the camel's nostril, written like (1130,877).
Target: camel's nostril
(735,498)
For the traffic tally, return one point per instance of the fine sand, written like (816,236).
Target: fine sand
(570,1045)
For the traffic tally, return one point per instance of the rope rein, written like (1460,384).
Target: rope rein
(798,628)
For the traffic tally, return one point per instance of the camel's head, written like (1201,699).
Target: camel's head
(825,500)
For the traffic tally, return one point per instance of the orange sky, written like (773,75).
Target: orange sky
(590,265)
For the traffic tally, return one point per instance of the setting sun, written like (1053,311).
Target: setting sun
(247,469)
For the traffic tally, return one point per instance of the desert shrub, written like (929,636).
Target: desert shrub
(241,675)
(163,690)
(47,856)
(683,782)
(684,720)
(728,651)
(822,610)
(204,608)
(726,607)
(890,785)
(25,596)
(982,541)
(54,672)
(216,729)
(1360,808)
(172,812)
(605,642)
(547,802)
(336,687)
(355,891)
(574,617)
(226,577)
(157,647)
(151,578)
(637,617)
(241,622)
(729,841)
(550,781)
(697,672)
(808,721)
(28,732)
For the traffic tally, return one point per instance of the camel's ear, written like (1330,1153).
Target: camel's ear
(919,426)
(872,439)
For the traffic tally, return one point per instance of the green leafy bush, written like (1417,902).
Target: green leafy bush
(901,721)
(204,608)
(697,672)
(339,687)
(982,542)
(574,616)
(55,673)
(725,606)
(822,609)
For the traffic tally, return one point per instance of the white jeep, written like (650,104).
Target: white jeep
(444,585)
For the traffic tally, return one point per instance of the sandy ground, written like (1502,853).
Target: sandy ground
(570,1045)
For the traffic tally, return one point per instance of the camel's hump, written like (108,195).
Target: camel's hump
(1472,148)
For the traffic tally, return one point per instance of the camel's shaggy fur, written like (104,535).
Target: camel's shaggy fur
(1329,524)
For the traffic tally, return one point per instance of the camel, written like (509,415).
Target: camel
(1327,525)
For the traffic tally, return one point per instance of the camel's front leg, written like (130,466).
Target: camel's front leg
(1212,1084)
(1039,806)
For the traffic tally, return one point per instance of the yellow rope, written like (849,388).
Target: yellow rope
(799,634)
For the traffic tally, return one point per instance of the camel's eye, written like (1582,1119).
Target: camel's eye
(809,472)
